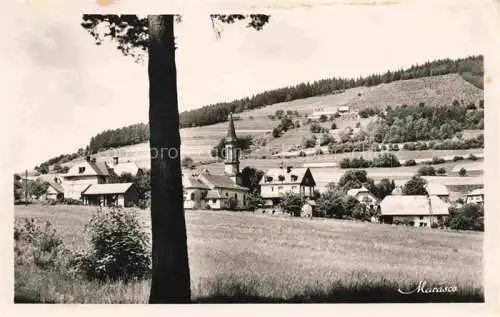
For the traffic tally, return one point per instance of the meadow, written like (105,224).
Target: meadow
(242,256)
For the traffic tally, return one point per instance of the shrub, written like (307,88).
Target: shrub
(386,160)
(37,245)
(333,126)
(315,128)
(441,171)
(457,158)
(119,247)
(410,162)
(71,201)
(434,225)
(427,171)
(308,142)
(462,172)
(437,160)
(276,133)
(472,157)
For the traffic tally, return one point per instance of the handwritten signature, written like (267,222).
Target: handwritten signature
(423,288)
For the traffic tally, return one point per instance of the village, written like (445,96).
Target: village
(97,183)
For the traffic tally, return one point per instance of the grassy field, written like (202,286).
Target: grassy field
(250,257)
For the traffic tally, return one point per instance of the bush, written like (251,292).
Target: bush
(315,128)
(71,201)
(333,126)
(438,160)
(41,247)
(441,171)
(472,157)
(457,158)
(308,142)
(386,160)
(276,133)
(462,172)
(410,162)
(427,171)
(434,225)
(119,247)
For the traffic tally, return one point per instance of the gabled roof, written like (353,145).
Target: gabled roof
(213,194)
(56,186)
(280,176)
(97,169)
(436,189)
(355,191)
(404,206)
(102,189)
(219,181)
(191,182)
(438,207)
(476,192)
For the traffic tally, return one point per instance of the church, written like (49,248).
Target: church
(203,190)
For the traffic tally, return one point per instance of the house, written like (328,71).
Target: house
(195,193)
(439,190)
(364,196)
(308,209)
(419,211)
(55,189)
(117,194)
(278,181)
(206,190)
(85,173)
(475,197)
(121,168)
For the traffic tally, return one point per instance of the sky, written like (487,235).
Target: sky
(66,89)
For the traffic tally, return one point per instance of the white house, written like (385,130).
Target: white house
(364,196)
(475,197)
(83,174)
(439,190)
(278,181)
(422,211)
(222,190)
(116,194)
(121,168)
(55,190)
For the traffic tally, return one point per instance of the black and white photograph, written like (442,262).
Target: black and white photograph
(324,153)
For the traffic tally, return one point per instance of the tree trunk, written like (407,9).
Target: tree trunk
(171,278)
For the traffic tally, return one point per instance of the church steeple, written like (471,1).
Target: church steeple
(232,153)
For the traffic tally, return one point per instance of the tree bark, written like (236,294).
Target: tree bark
(170,273)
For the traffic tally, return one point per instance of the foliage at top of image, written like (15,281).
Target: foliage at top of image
(471,69)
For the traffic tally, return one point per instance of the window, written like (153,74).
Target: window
(192,196)
(244,199)
(421,217)
(214,201)
(81,169)
(227,194)
(235,196)
(272,188)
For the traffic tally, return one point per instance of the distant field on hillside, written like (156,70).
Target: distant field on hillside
(198,141)
(279,257)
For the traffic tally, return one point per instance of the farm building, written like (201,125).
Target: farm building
(205,190)
(364,196)
(278,181)
(439,190)
(420,211)
(475,197)
(118,194)
(55,189)
(83,174)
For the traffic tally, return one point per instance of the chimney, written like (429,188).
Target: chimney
(115,160)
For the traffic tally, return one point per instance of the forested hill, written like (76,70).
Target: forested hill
(470,68)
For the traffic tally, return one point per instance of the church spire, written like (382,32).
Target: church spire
(231,133)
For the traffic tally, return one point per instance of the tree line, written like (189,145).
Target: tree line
(132,134)
(471,69)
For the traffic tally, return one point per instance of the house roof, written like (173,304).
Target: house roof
(102,189)
(282,176)
(219,181)
(56,186)
(231,133)
(412,205)
(98,168)
(311,202)
(436,189)
(476,192)
(52,180)
(213,194)
(191,182)
(126,167)
(355,191)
